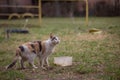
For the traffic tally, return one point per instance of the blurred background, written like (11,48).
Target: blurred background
(89,33)
(61,8)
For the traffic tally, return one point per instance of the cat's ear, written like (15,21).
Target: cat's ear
(51,35)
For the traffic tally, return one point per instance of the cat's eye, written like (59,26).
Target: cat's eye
(54,38)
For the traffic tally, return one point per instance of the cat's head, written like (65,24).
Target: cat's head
(54,39)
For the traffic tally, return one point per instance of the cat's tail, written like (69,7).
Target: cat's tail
(16,58)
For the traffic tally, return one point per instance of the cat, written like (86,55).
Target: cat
(30,50)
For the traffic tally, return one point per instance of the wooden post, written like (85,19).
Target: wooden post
(40,11)
(7,34)
(87,12)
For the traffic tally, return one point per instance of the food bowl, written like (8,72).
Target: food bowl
(63,61)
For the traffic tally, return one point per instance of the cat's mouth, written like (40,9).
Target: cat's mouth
(56,42)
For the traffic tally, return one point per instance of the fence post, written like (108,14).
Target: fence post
(87,12)
(40,11)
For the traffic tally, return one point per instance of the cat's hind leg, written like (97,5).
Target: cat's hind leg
(22,64)
(31,61)
(32,64)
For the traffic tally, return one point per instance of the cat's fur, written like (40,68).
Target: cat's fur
(28,52)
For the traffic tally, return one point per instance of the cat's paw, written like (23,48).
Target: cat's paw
(35,67)
(44,68)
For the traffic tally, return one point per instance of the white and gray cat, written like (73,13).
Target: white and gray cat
(30,50)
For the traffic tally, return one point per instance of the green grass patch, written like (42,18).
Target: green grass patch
(95,57)
(11,75)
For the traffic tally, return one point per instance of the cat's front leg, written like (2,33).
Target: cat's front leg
(47,62)
(42,64)
(42,61)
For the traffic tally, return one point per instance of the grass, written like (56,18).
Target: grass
(95,57)
(11,75)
